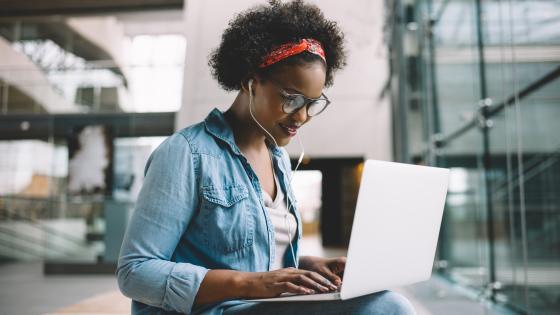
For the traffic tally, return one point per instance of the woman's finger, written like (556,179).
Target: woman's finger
(329,274)
(321,279)
(308,282)
(337,265)
(288,287)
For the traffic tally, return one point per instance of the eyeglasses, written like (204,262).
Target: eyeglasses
(293,102)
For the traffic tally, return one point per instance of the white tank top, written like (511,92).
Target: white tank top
(277,212)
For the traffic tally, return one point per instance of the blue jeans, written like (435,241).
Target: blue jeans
(380,303)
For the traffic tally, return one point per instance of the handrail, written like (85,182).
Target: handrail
(36,224)
(437,16)
(47,229)
(528,90)
(31,240)
(26,250)
(533,168)
(533,87)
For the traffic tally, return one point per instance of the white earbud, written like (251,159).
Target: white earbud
(288,206)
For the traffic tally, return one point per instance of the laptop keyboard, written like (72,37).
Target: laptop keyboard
(318,293)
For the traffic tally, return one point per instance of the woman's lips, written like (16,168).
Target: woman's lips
(289,130)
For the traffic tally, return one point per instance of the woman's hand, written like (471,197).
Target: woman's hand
(287,280)
(330,268)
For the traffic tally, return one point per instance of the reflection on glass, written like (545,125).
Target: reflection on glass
(501,230)
(61,66)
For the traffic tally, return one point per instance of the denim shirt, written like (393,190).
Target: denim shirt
(200,208)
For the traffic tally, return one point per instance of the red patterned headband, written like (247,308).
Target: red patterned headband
(286,50)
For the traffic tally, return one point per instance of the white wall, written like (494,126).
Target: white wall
(357,123)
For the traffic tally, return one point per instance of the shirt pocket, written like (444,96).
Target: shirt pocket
(228,225)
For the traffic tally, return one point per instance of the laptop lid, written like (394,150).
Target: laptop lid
(396,226)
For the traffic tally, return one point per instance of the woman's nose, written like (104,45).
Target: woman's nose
(300,116)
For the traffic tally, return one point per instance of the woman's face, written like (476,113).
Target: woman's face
(308,80)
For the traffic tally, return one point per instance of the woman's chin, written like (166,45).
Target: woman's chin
(284,141)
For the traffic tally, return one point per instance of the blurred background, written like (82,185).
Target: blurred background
(88,89)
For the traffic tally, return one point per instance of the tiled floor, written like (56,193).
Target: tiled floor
(25,290)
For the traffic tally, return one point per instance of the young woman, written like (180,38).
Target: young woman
(216,219)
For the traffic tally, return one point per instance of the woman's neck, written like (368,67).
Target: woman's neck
(248,136)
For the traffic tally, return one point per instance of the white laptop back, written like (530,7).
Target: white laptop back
(396,226)
(395,230)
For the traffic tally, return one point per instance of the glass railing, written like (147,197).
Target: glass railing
(82,106)
(485,88)
(42,218)
(74,230)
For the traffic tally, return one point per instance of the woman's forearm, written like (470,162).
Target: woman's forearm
(220,285)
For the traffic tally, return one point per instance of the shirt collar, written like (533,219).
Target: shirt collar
(217,125)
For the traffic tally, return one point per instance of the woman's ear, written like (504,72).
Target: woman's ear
(244,87)
(248,86)
(245,84)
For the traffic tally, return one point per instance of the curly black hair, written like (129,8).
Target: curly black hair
(254,33)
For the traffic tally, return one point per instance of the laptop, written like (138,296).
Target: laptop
(395,230)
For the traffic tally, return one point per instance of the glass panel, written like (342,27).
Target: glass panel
(526,204)
(41,219)
(65,198)
(463,244)
(533,24)
(524,147)
(463,250)
(60,66)
(500,231)
(456,64)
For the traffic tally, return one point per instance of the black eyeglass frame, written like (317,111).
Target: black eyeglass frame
(307,101)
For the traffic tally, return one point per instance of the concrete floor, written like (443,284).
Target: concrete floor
(25,290)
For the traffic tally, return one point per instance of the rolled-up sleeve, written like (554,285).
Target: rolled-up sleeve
(164,208)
